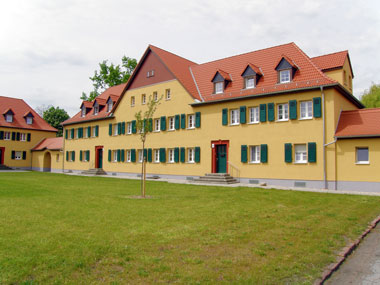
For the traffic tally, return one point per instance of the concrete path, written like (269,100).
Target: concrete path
(363,265)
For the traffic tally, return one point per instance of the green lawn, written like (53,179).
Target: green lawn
(57,229)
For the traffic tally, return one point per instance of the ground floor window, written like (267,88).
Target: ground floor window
(157,155)
(300,154)
(190,155)
(18,155)
(140,155)
(171,155)
(362,155)
(254,153)
(114,152)
(128,155)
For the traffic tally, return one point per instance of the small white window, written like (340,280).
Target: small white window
(254,115)
(115,129)
(18,155)
(254,154)
(156,125)
(9,118)
(283,112)
(128,155)
(76,133)
(171,155)
(140,155)
(114,155)
(235,117)
(362,155)
(148,74)
(96,109)
(155,96)
(94,131)
(167,94)
(109,106)
(218,87)
(300,154)
(22,137)
(7,135)
(129,128)
(190,155)
(143,99)
(171,124)
(85,133)
(152,72)
(249,82)
(156,155)
(191,121)
(285,76)
(29,120)
(306,110)
(133,101)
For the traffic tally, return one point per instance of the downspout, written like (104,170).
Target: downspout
(63,154)
(324,138)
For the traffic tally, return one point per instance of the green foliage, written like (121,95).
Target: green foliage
(110,75)
(55,116)
(142,121)
(371,97)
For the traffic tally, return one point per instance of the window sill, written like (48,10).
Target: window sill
(171,162)
(253,123)
(254,162)
(156,131)
(169,130)
(190,162)
(306,118)
(285,120)
(300,162)
(234,124)
(362,163)
(192,128)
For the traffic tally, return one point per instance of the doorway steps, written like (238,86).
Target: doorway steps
(4,167)
(94,171)
(216,178)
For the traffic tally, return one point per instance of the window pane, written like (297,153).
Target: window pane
(362,154)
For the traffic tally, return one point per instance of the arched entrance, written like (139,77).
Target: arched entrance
(47,162)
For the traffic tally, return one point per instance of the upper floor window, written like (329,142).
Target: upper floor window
(96,109)
(285,76)
(83,112)
(129,128)
(191,121)
(23,137)
(7,135)
(235,116)
(249,82)
(109,106)
(29,120)
(133,101)
(306,110)
(155,96)
(167,94)
(115,129)
(283,112)
(143,99)
(218,87)
(9,118)
(171,124)
(156,125)
(254,115)
(362,155)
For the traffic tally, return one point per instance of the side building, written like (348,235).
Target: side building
(21,128)
(264,116)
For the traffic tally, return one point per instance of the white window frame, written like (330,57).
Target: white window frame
(23,137)
(93,132)
(114,154)
(29,120)
(9,118)
(171,155)
(129,128)
(155,96)
(300,155)
(156,155)
(171,123)
(157,125)
(76,133)
(235,117)
(132,101)
(283,112)
(285,76)
(18,155)
(128,155)
(219,87)
(254,115)
(140,155)
(357,155)
(7,136)
(191,155)
(306,110)
(96,109)
(143,99)
(254,154)
(115,129)
(167,94)
(191,121)
(109,106)
(249,82)
(85,132)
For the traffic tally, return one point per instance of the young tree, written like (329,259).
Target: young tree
(110,75)
(144,126)
(55,116)
(371,97)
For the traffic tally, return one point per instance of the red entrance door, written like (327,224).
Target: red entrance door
(2,150)
(99,157)
(219,161)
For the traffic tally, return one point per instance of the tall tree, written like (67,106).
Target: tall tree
(55,116)
(110,75)
(371,97)
(143,127)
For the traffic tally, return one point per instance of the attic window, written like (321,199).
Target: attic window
(218,86)
(150,73)
(83,113)
(109,105)
(249,82)
(220,80)
(285,76)
(29,120)
(96,108)
(251,75)
(9,118)
(285,70)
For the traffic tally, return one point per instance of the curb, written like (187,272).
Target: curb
(342,256)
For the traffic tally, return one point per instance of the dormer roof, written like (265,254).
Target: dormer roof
(8,112)
(285,63)
(221,76)
(251,69)
(28,114)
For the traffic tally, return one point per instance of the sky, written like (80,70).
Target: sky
(49,49)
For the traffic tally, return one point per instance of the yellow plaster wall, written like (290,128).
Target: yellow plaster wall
(56,159)
(36,137)
(338,75)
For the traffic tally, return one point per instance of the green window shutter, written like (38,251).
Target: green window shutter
(13,154)
(244,158)
(119,128)
(176,154)
(150,124)
(81,132)
(312,152)
(243,116)
(123,128)
(73,155)
(109,154)
(118,155)
(183,154)
(263,112)
(110,129)
(17,136)
(29,137)
(13,136)
(288,152)
(88,132)
(197,119)
(162,155)
(133,155)
(72,133)
(24,155)
(80,156)
(145,154)
(197,157)
(225,117)
(1,135)
(293,109)
(317,107)
(163,123)
(264,153)
(271,112)
(149,154)
(176,123)
(122,155)
(67,156)
(66,134)
(96,131)
(183,121)
(88,155)
(134,127)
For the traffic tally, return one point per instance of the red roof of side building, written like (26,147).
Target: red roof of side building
(19,109)
(113,92)
(332,60)
(50,144)
(359,123)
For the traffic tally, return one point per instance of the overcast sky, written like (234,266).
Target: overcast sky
(48,49)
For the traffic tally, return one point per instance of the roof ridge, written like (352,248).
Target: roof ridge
(314,57)
(12,98)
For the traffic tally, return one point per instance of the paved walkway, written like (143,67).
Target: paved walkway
(363,265)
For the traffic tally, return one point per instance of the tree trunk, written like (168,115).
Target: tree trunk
(142,172)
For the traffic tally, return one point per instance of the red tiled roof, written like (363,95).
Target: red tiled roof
(359,123)
(50,143)
(19,108)
(330,61)
(87,104)
(114,92)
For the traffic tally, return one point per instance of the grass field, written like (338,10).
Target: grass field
(59,229)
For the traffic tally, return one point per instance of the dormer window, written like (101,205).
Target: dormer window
(83,113)
(29,120)
(9,118)
(220,80)
(109,105)
(286,69)
(249,82)
(285,76)
(251,75)
(96,108)
(218,87)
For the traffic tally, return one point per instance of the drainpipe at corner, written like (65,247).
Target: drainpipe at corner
(324,139)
